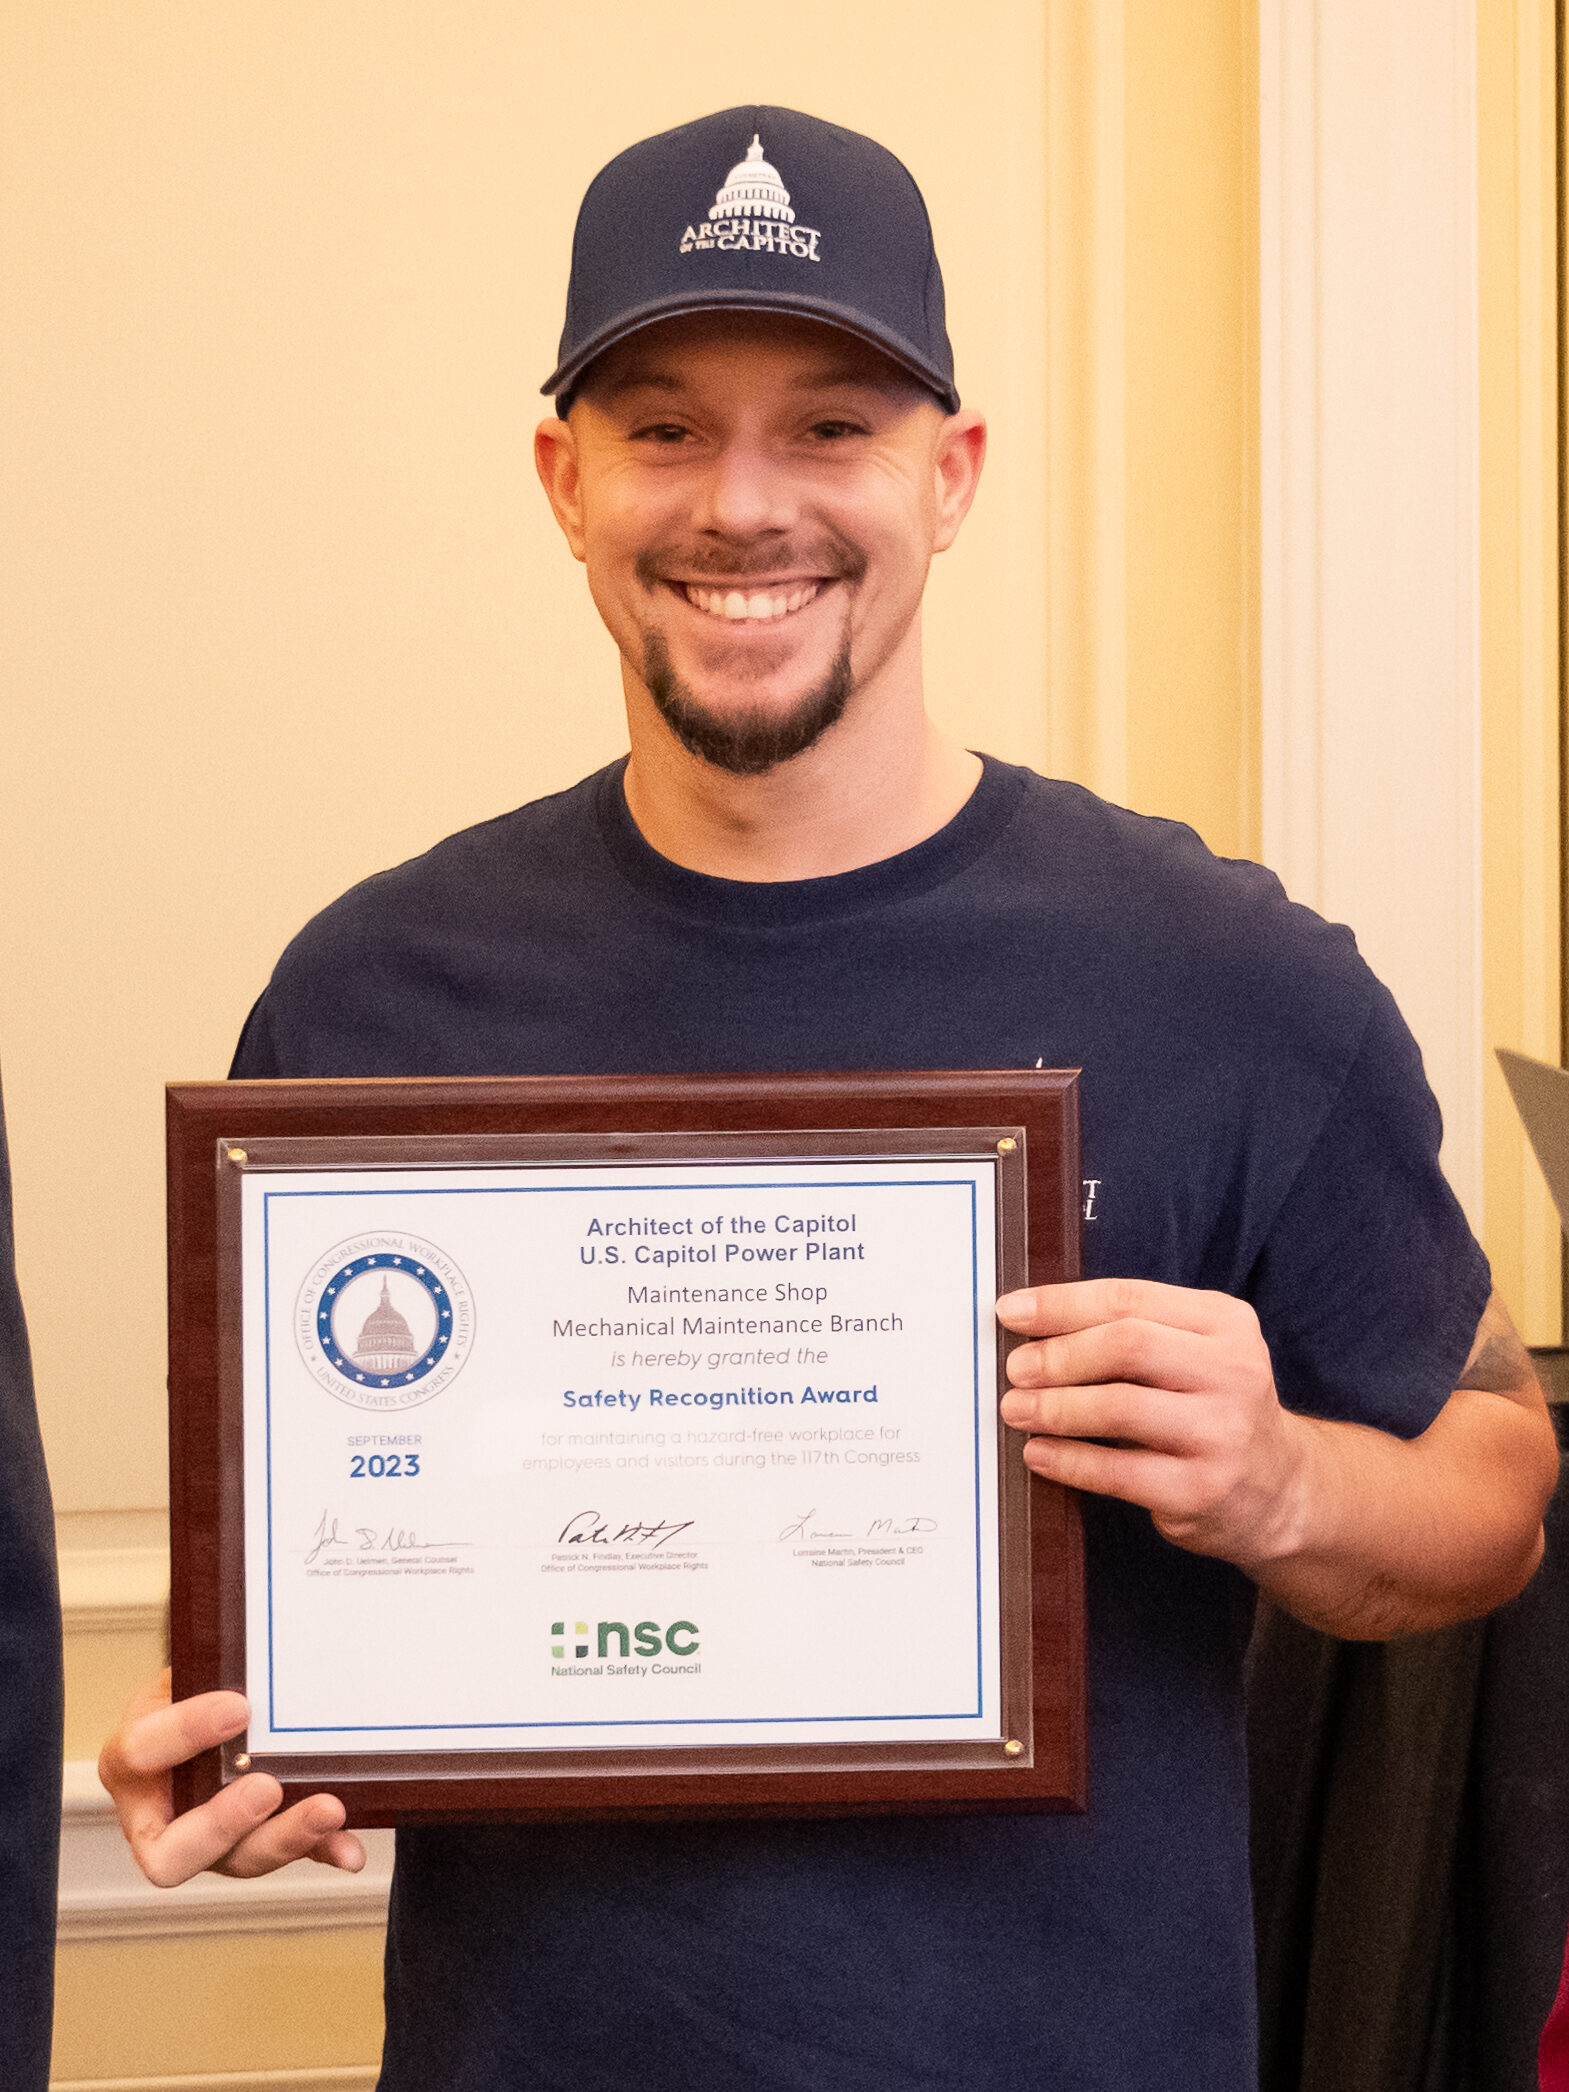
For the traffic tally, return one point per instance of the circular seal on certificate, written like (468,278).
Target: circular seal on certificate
(384,1321)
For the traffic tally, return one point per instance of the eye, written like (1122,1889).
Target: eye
(835,431)
(664,433)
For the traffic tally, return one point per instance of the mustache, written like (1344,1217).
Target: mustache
(727,559)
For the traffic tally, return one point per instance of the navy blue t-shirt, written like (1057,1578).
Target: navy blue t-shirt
(1255,1120)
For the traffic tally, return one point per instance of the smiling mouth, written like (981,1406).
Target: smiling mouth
(761,606)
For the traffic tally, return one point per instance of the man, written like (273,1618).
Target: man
(1286,1352)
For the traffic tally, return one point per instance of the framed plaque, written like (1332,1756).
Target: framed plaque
(614,1446)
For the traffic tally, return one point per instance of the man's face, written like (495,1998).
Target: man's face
(756,500)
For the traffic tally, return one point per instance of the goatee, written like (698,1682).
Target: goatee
(746,743)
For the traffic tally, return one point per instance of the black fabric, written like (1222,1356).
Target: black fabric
(1255,1121)
(32,1697)
(1411,1845)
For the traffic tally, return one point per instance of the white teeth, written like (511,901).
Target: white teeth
(762,606)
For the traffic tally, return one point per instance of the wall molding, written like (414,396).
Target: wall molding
(1521,755)
(113,1590)
(103,1895)
(1086,352)
(359,2078)
(1370,506)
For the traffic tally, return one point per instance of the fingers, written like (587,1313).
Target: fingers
(1162,1458)
(1155,1480)
(136,1762)
(150,1699)
(1159,1395)
(237,1833)
(169,1849)
(156,1736)
(1151,1354)
(1199,1499)
(240,1831)
(1044,1311)
(340,1849)
(312,1829)
(1130,1415)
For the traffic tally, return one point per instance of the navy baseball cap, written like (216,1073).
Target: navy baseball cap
(757,210)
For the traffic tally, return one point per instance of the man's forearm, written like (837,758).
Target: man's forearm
(1383,1536)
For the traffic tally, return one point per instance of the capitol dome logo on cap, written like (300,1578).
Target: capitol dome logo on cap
(752,210)
(847,241)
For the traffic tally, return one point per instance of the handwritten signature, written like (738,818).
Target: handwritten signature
(591,1529)
(880,1528)
(370,1539)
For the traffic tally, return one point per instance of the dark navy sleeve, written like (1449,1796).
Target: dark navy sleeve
(31,1696)
(1370,1285)
(254,1056)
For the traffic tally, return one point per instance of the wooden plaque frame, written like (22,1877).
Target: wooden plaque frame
(1039,1764)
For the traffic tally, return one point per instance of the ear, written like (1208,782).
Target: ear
(556,461)
(961,452)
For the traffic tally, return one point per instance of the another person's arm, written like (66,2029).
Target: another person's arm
(1166,1397)
(31,1696)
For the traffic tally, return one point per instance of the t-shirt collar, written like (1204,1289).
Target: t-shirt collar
(785,903)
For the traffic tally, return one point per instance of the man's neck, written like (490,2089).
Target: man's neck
(879,781)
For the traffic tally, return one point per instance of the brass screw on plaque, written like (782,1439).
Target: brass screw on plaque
(237,1155)
(242,1763)
(1013,1748)
(1006,1145)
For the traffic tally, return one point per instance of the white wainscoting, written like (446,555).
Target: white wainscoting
(1371,587)
(104,1896)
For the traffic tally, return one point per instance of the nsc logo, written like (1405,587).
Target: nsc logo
(647,1638)
(384,1321)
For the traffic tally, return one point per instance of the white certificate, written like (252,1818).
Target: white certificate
(642,1456)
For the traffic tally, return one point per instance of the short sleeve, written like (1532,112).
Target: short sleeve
(1370,1284)
(255,1058)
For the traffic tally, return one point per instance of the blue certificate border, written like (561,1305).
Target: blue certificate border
(730,1183)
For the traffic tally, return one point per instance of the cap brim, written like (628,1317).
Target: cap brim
(563,377)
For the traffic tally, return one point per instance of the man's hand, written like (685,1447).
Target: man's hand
(1166,1397)
(239,1831)
(1180,1384)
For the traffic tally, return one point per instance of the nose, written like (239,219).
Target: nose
(745,494)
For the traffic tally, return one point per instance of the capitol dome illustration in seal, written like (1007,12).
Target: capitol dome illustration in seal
(753,189)
(386,1342)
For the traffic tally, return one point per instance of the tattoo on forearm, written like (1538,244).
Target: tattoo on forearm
(1499,1363)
